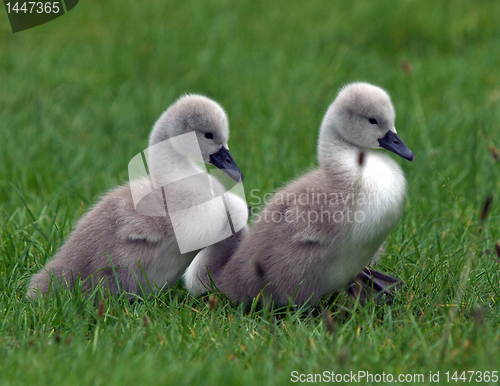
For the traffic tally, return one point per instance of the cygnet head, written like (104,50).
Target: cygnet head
(208,120)
(362,115)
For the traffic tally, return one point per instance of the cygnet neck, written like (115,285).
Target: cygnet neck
(336,154)
(167,164)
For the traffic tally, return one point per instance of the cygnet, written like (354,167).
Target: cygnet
(318,233)
(134,245)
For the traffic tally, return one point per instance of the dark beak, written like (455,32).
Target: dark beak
(393,143)
(224,161)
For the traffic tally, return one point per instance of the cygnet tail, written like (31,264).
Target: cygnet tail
(372,284)
(207,268)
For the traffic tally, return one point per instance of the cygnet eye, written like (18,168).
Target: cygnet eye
(209,135)
(373,121)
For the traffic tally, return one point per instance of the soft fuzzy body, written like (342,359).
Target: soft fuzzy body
(114,233)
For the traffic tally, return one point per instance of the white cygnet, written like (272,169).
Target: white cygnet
(319,232)
(127,246)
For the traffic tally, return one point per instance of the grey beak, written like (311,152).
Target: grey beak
(224,161)
(392,142)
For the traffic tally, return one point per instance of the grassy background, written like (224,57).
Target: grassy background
(79,95)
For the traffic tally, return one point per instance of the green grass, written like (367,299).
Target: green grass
(78,97)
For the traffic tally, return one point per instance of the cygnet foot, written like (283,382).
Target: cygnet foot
(372,284)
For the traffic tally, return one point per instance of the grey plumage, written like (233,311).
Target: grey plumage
(304,239)
(143,249)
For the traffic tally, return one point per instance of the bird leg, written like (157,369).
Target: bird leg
(373,284)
